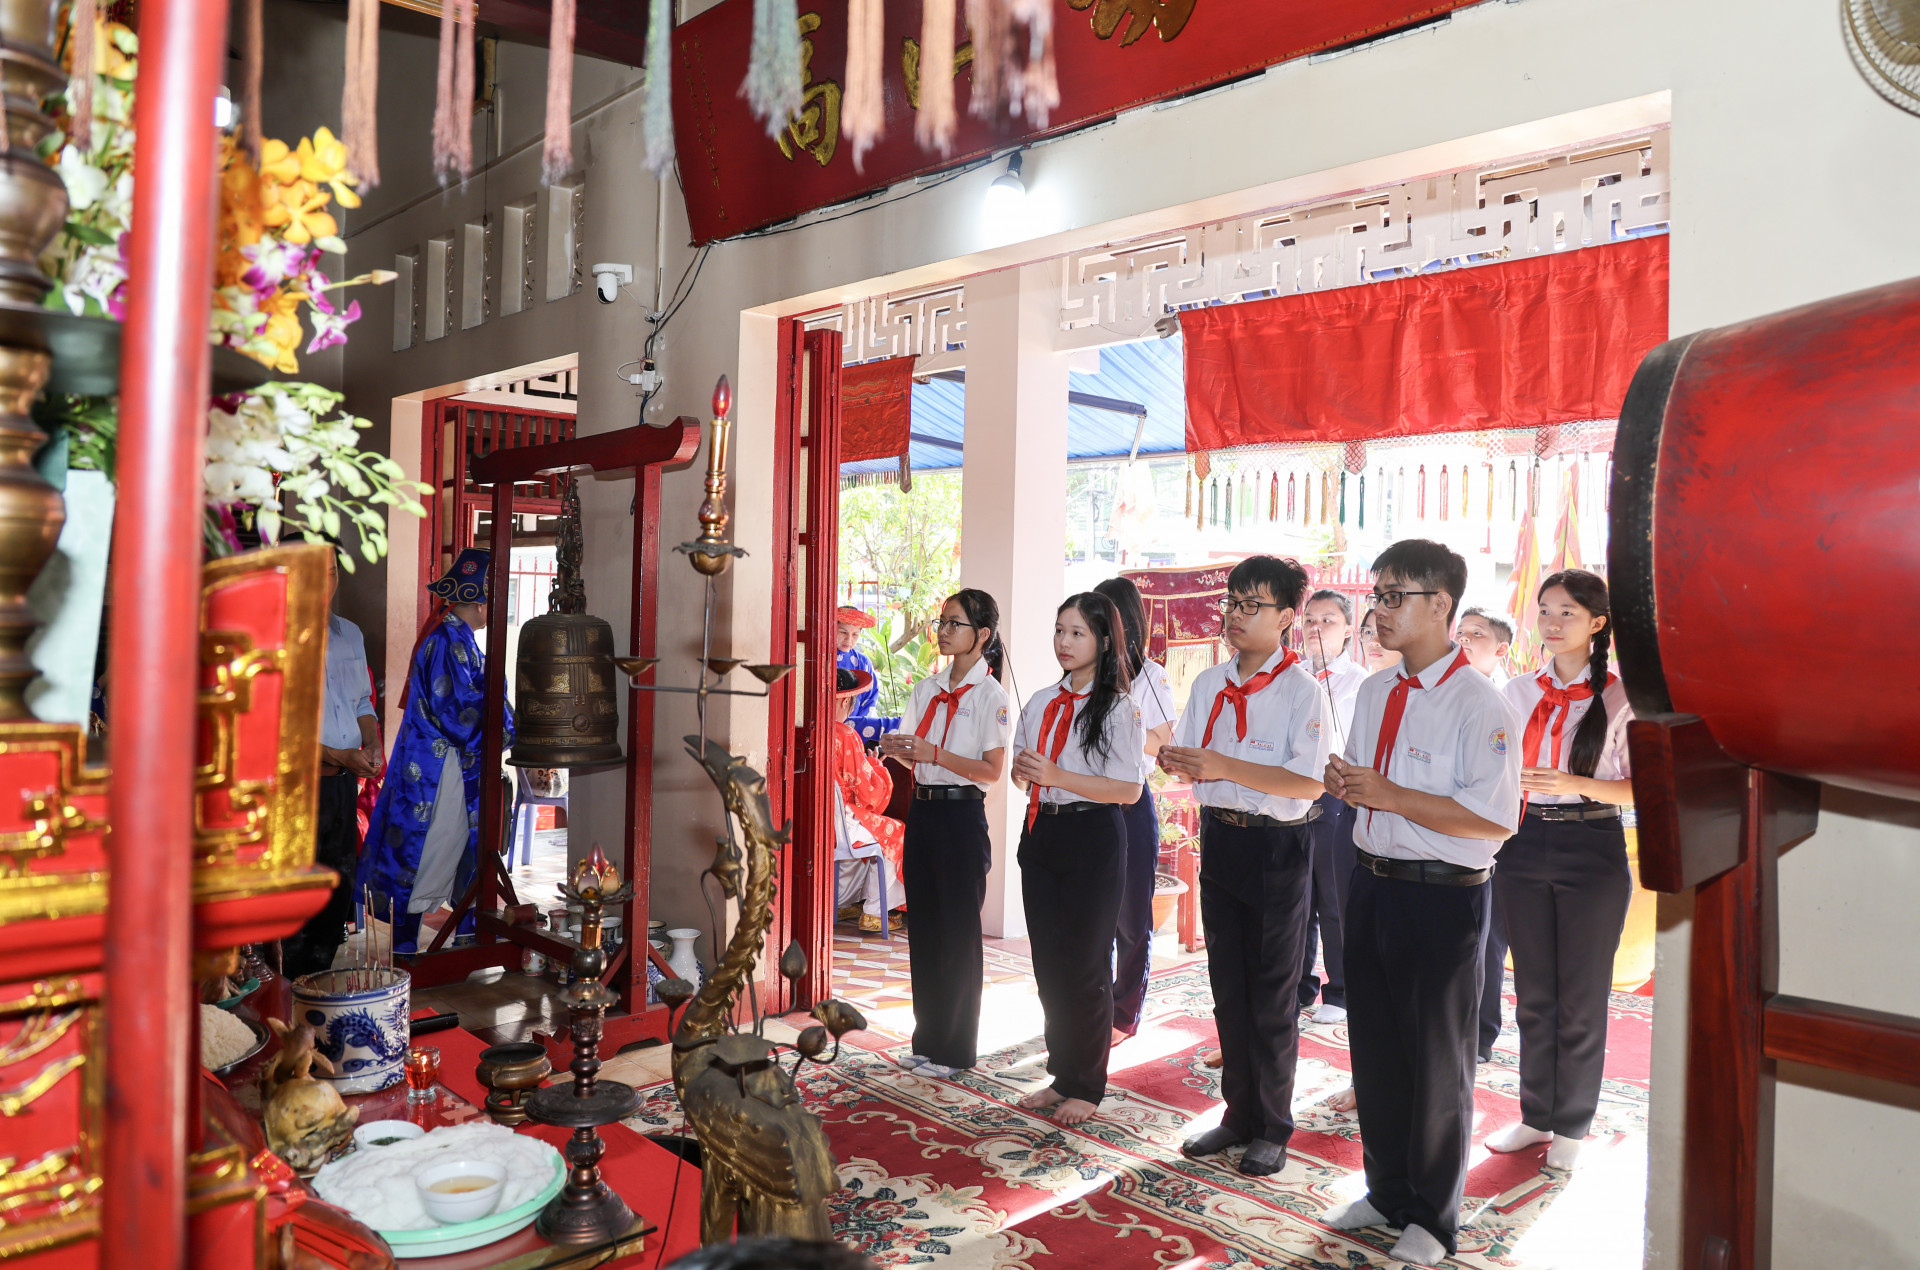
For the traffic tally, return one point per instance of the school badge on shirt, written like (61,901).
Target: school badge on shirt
(1001,717)
(1313,729)
(1497,741)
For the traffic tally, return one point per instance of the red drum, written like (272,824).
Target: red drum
(1765,549)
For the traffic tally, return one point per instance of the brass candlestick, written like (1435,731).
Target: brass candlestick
(587,1210)
(711,553)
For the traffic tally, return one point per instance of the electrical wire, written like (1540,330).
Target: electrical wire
(777,230)
(689,279)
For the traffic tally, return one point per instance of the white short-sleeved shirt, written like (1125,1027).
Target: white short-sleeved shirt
(1154,698)
(1286,727)
(1341,681)
(1458,740)
(1125,735)
(1523,694)
(978,724)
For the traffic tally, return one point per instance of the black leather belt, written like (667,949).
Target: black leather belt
(1062,809)
(1254,820)
(936,792)
(1573,811)
(1437,872)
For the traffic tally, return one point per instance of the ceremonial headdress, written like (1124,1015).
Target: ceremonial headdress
(851,616)
(466,581)
(851,683)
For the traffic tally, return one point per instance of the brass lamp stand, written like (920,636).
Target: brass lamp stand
(587,1210)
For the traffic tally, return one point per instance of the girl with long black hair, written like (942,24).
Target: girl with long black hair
(1080,753)
(958,748)
(1563,880)
(1133,936)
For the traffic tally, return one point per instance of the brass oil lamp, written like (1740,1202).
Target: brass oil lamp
(565,713)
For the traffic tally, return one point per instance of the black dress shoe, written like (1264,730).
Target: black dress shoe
(1212,1142)
(1263,1158)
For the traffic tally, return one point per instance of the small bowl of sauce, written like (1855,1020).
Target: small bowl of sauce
(385,1133)
(455,1191)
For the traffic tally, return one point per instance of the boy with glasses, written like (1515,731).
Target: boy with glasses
(1254,740)
(1432,769)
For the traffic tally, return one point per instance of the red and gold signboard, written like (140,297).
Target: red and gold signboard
(1111,55)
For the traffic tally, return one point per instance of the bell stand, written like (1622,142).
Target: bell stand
(641,452)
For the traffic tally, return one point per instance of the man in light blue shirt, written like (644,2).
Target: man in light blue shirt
(349,750)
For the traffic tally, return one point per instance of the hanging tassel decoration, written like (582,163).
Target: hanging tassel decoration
(83,30)
(359,109)
(656,96)
(557,157)
(772,85)
(934,128)
(990,27)
(252,55)
(1033,86)
(862,113)
(453,104)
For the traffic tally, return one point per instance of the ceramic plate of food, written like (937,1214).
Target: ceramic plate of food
(228,1040)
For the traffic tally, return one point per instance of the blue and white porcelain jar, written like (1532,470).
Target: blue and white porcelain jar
(360,1022)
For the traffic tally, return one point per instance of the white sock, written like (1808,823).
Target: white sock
(1354,1215)
(1418,1247)
(940,1070)
(1565,1152)
(911,1061)
(1517,1137)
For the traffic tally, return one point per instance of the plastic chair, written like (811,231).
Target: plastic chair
(871,851)
(526,803)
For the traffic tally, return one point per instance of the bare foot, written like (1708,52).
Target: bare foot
(1119,1038)
(1075,1111)
(1216,1059)
(1041,1099)
(1345,1100)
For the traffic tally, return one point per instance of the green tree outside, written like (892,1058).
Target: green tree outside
(900,559)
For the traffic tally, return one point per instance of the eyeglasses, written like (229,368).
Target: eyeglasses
(1394,599)
(1246,608)
(951,624)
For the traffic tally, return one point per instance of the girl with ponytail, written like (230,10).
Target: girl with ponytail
(1563,880)
(1080,753)
(957,748)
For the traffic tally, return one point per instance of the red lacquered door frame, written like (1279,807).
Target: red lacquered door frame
(783,630)
(154,637)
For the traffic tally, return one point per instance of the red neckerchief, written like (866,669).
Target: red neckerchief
(1055,723)
(1396,707)
(951,700)
(1238,694)
(1555,705)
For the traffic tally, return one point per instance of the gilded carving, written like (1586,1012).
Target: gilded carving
(816,128)
(910,66)
(1140,15)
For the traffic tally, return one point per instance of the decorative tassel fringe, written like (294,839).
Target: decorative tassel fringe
(772,85)
(862,112)
(359,102)
(558,155)
(453,104)
(656,97)
(253,55)
(83,30)
(990,26)
(1033,87)
(935,125)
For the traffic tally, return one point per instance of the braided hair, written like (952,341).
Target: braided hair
(1111,682)
(985,616)
(1589,591)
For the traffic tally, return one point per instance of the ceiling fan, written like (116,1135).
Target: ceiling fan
(1884,38)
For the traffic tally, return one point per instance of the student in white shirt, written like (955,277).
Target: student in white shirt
(1080,753)
(957,748)
(1133,938)
(1564,883)
(1253,740)
(1375,656)
(1486,638)
(1327,627)
(1433,772)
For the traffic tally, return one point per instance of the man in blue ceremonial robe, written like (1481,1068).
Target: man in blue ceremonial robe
(423,837)
(848,623)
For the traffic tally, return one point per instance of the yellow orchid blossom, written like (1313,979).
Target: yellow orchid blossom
(323,160)
(278,163)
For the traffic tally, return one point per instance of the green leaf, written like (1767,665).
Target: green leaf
(88,234)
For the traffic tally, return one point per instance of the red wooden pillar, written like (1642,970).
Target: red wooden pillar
(812,873)
(783,634)
(154,640)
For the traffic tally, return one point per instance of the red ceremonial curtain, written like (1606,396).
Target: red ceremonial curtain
(876,409)
(1550,339)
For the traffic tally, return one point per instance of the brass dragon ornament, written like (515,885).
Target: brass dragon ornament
(767,1163)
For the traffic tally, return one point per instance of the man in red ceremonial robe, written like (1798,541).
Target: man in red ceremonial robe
(861,790)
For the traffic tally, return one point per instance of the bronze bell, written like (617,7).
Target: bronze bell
(565,713)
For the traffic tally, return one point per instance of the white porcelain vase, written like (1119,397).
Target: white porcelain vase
(360,1021)
(684,963)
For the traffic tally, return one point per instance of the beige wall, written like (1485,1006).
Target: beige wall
(1792,181)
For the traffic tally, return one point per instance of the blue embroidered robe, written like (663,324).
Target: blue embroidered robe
(446,691)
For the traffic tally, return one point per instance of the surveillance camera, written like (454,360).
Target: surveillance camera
(608,279)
